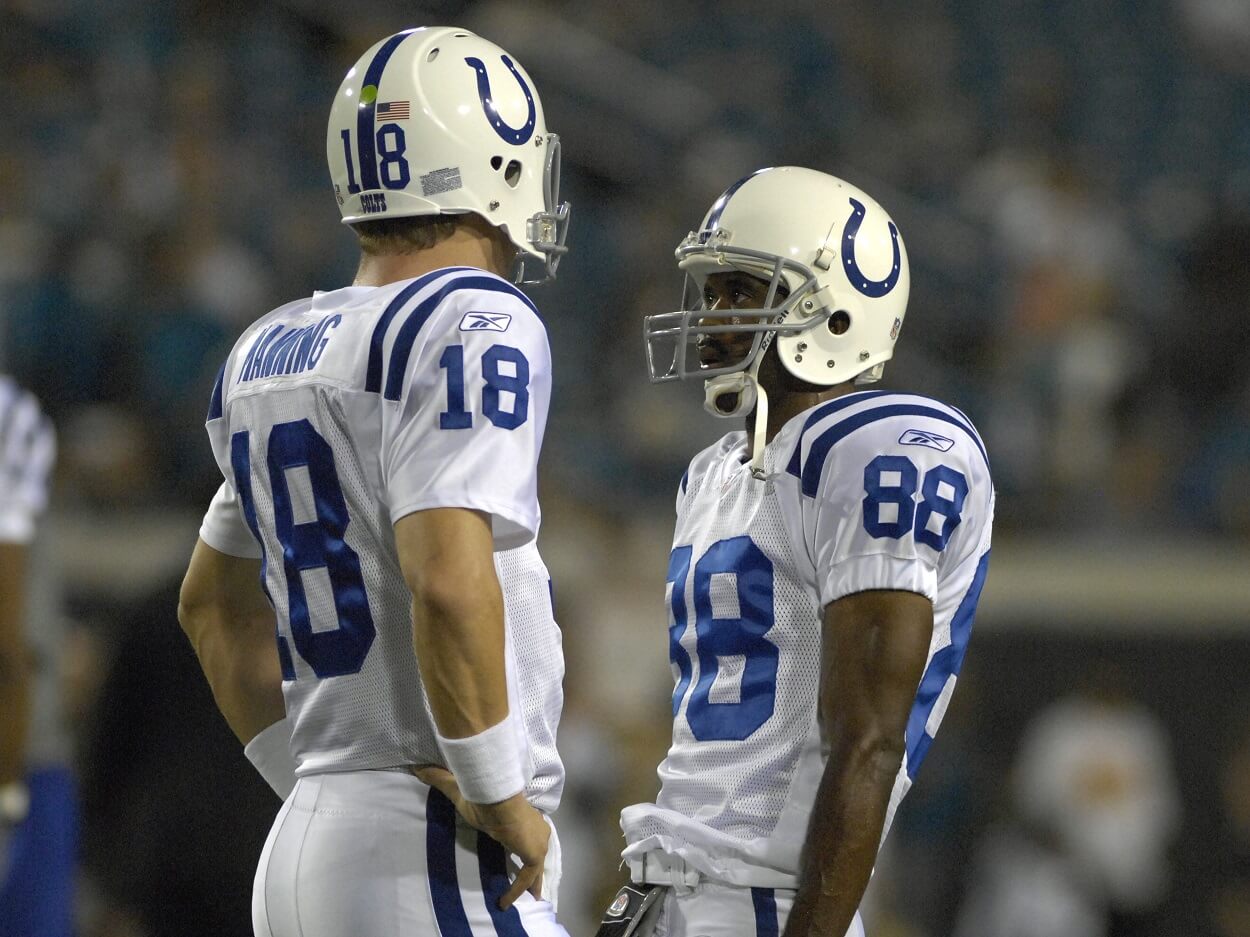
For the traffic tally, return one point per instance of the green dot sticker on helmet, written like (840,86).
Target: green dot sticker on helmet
(368,94)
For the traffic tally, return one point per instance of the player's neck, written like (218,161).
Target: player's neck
(785,405)
(468,247)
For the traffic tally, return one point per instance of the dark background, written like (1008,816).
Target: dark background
(1072,180)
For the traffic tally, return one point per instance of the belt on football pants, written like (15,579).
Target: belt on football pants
(657,868)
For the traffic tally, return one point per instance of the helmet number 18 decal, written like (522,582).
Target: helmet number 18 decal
(391,146)
(439,121)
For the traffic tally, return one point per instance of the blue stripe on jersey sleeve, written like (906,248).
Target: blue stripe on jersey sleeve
(819,450)
(373,376)
(828,409)
(401,349)
(946,663)
(215,401)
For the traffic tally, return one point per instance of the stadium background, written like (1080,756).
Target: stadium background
(1073,182)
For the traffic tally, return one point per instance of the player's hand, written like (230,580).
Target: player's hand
(513,822)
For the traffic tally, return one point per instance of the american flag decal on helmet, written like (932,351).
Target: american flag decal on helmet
(393,110)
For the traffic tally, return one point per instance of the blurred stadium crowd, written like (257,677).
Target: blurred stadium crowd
(1072,179)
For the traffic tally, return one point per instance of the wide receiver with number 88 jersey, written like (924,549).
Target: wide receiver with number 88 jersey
(825,570)
(379,445)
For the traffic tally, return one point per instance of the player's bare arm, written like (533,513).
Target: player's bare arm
(379,444)
(874,650)
(842,518)
(14,663)
(230,625)
(447,558)
(446,555)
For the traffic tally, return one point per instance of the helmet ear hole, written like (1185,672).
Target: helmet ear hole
(496,162)
(839,322)
(512,175)
(433,55)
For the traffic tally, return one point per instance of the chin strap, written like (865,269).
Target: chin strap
(747,392)
(740,387)
(759,437)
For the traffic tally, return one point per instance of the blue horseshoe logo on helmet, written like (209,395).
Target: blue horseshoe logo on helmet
(514,135)
(871,288)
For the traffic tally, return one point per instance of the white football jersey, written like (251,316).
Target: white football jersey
(27,451)
(332,418)
(27,454)
(872,490)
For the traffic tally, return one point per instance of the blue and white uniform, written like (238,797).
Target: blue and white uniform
(872,490)
(332,418)
(38,855)
(27,453)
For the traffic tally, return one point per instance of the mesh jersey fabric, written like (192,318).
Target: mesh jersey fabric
(754,563)
(331,419)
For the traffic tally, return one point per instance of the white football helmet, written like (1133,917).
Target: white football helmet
(439,121)
(845,273)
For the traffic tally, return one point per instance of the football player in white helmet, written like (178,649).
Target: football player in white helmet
(826,566)
(379,446)
(439,122)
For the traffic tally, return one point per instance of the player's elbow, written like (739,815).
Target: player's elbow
(875,749)
(192,620)
(251,669)
(196,612)
(451,593)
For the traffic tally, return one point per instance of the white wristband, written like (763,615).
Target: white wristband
(270,754)
(487,766)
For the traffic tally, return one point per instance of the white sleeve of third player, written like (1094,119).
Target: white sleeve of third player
(887,511)
(225,529)
(27,451)
(467,428)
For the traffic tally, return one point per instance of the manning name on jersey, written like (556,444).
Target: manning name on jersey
(332,418)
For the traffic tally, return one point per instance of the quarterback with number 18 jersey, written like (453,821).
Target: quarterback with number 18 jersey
(380,447)
(334,417)
(872,490)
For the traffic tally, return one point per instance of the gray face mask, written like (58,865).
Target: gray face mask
(546,230)
(672,338)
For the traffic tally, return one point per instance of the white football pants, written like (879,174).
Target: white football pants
(711,909)
(380,854)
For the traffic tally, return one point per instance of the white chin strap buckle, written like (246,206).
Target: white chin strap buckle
(729,394)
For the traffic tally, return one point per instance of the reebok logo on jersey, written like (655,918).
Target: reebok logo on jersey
(920,437)
(485,322)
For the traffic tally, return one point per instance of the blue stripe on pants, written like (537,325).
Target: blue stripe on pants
(765,901)
(493,864)
(440,860)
